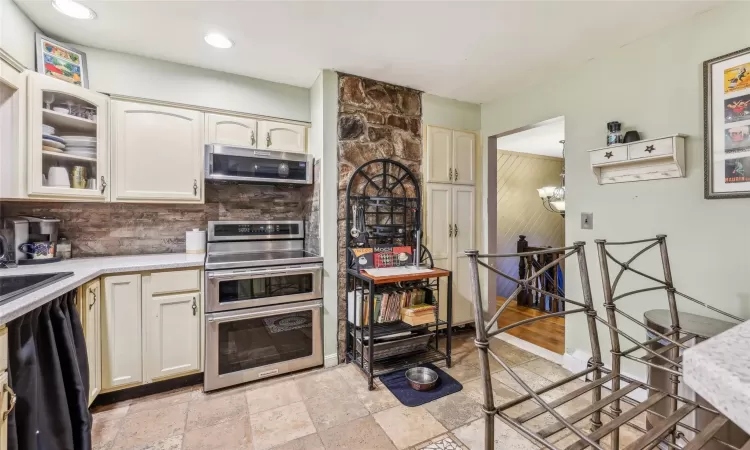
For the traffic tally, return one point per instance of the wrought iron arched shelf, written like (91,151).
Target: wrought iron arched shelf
(387,197)
(384,197)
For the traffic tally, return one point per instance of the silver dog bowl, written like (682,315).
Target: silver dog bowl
(421,378)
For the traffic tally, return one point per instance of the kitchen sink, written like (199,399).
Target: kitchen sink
(13,286)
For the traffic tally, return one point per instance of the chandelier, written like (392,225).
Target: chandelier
(553,198)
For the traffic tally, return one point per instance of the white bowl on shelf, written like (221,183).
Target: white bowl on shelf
(60,109)
(48,129)
(58,177)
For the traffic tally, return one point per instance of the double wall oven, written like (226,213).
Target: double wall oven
(263,302)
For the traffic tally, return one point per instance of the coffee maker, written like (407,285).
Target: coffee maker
(26,229)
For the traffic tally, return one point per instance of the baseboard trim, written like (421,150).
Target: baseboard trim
(331,360)
(532,348)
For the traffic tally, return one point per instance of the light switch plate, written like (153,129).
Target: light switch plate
(587,221)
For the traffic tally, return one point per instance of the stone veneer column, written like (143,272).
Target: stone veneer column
(376,120)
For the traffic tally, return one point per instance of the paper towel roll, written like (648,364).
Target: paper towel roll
(195,241)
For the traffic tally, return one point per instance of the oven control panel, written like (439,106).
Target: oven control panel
(239,230)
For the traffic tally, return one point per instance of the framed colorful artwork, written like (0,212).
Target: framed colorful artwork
(61,61)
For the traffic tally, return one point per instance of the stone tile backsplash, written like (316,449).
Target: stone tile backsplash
(99,229)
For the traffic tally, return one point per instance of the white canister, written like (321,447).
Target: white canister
(195,241)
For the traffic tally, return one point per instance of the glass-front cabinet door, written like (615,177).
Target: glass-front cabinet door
(67,141)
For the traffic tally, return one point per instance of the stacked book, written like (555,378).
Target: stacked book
(388,306)
(418,314)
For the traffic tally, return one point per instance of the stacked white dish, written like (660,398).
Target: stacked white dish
(52,143)
(80,145)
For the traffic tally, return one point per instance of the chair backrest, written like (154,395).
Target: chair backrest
(666,358)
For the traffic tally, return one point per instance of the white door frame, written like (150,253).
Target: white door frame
(490,222)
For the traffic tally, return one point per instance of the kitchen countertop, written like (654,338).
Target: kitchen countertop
(718,369)
(85,269)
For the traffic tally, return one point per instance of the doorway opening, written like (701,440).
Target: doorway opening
(530,211)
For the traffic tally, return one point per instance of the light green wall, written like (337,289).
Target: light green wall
(654,85)
(449,113)
(323,144)
(136,76)
(17,33)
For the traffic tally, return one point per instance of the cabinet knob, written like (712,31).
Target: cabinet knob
(450,230)
(195,187)
(649,148)
(268,139)
(195,307)
(104,184)
(608,155)
(11,401)
(455,230)
(252,137)
(455,174)
(450,174)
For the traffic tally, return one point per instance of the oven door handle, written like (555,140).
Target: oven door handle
(251,315)
(263,272)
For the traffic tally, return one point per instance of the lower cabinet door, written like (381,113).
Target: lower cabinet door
(122,354)
(7,402)
(93,332)
(172,335)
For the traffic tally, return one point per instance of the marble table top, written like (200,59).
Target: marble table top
(718,369)
(85,269)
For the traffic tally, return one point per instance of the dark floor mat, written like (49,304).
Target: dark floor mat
(396,383)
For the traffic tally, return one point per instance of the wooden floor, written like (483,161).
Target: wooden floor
(548,333)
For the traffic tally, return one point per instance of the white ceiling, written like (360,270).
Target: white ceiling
(541,140)
(472,51)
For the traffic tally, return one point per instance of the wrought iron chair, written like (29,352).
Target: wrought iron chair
(664,431)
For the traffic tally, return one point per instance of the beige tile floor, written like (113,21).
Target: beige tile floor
(331,409)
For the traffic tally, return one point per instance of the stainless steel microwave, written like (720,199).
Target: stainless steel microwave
(247,165)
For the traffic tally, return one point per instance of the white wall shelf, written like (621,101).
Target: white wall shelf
(649,159)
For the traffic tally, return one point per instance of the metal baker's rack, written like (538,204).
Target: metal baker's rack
(384,207)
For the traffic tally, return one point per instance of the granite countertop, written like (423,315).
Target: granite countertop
(718,369)
(85,269)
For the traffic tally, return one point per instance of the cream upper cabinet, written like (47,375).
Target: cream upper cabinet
(13,132)
(439,155)
(93,333)
(72,147)
(464,155)
(281,136)
(450,156)
(450,230)
(231,130)
(157,153)
(172,334)
(122,354)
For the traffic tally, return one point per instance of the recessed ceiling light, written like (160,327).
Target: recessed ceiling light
(218,40)
(74,9)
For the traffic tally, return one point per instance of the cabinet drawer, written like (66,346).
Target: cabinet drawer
(175,281)
(609,155)
(650,148)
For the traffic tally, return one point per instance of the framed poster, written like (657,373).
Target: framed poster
(60,61)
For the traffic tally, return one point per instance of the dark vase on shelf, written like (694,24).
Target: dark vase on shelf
(631,136)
